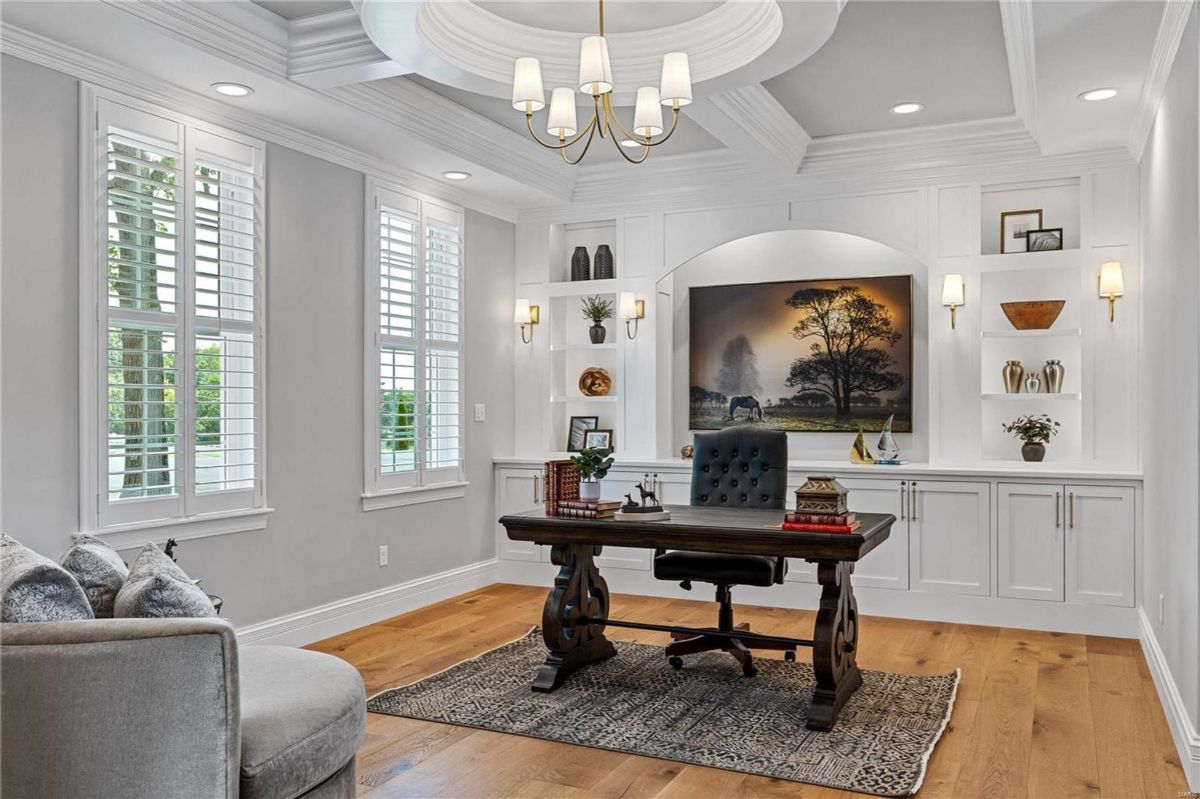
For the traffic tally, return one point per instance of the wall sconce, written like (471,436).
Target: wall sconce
(526,316)
(1112,285)
(631,309)
(953,295)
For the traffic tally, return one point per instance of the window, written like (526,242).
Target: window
(414,348)
(172,271)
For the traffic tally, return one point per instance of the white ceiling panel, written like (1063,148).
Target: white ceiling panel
(620,16)
(295,9)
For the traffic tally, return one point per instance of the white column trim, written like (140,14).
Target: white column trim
(1162,58)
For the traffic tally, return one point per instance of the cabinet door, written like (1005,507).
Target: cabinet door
(1029,545)
(1100,545)
(517,490)
(949,537)
(885,566)
(615,486)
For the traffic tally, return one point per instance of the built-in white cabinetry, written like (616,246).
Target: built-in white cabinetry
(517,490)
(949,532)
(1071,543)
(887,565)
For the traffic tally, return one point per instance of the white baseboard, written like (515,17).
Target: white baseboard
(334,618)
(1183,729)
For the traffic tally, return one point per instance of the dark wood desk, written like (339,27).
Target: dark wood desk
(576,609)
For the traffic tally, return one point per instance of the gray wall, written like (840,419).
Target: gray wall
(1171,263)
(319,545)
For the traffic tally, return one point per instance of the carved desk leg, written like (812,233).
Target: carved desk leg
(835,641)
(579,592)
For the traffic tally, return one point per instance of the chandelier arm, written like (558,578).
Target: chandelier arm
(564,144)
(563,152)
(629,158)
(642,140)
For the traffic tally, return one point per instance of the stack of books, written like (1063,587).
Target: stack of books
(560,481)
(594,509)
(821,508)
(821,522)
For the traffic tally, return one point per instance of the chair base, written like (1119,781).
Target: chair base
(713,640)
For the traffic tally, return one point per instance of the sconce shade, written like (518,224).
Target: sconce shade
(527,85)
(627,306)
(952,290)
(676,86)
(647,114)
(521,313)
(561,119)
(1112,280)
(595,70)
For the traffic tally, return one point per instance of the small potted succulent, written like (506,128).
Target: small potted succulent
(597,309)
(1034,432)
(593,466)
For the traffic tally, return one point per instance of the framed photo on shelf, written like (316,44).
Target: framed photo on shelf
(579,427)
(1015,227)
(598,439)
(1045,240)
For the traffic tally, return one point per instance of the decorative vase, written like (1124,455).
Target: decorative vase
(581,264)
(1012,373)
(589,490)
(1033,383)
(1053,372)
(1033,451)
(604,263)
(597,332)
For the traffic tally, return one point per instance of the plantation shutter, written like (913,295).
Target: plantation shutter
(443,300)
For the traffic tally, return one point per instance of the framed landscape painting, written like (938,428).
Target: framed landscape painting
(802,356)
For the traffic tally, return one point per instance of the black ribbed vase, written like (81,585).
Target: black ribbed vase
(604,263)
(581,265)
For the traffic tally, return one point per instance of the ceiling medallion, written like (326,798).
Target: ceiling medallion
(595,78)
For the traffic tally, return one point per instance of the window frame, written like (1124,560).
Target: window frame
(422,484)
(188,513)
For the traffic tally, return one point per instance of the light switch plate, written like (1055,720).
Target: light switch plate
(480,412)
(383,555)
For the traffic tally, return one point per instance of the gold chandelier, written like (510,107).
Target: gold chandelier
(595,78)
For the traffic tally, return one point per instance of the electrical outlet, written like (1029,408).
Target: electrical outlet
(1162,608)
(383,555)
(480,412)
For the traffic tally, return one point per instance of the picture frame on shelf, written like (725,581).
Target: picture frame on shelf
(577,430)
(598,439)
(1015,227)
(1044,240)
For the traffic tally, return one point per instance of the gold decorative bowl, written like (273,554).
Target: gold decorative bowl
(1033,315)
(595,382)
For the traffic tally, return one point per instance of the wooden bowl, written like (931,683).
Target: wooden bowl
(595,382)
(1034,315)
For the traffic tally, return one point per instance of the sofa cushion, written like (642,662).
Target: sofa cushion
(35,588)
(303,717)
(157,588)
(99,570)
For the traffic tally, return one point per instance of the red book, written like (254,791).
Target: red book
(839,519)
(821,528)
(582,504)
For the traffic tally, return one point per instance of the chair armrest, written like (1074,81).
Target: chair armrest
(119,707)
(780,570)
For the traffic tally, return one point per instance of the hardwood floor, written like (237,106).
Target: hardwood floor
(1037,714)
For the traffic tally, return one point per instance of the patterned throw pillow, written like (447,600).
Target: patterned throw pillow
(157,588)
(34,588)
(99,570)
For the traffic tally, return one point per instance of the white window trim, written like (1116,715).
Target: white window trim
(92,380)
(375,495)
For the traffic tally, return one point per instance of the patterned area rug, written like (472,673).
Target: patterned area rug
(707,714)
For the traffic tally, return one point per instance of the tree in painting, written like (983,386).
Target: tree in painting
(739,369)
(847,358)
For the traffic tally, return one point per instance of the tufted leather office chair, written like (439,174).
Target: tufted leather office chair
(739,467)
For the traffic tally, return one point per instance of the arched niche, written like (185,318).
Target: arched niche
(782,255)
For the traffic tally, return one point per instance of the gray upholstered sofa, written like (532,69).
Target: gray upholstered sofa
(172,708)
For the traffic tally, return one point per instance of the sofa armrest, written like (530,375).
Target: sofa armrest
(119,707)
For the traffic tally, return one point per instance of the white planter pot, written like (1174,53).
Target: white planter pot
(589,490)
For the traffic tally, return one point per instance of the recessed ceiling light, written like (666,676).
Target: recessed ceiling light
(630,143)
(907,108)
(232,89)
(1095,95)
(455,174)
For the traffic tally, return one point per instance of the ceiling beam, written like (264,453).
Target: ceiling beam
(1162,57)
(327,50)
(753,124)
(1016,19)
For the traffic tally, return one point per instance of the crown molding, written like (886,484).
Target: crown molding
(87,67)
(1016,19)
(1162,58)
(327,50)
(753,124)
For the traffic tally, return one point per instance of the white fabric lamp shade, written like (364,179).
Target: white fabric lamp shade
(595,70)
(627,305)
(1112,280)
(528,94)
(647,114)
(676,88)
(561,119)
(952,290)
(521,313)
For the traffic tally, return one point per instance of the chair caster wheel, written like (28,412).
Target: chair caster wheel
(676,662)
(789,656)
(749,670)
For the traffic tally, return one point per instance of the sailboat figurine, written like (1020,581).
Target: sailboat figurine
(860,453)
(887,451)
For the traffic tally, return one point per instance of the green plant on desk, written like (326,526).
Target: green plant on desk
(592,464)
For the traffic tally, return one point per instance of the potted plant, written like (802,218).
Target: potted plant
(597,309)
(1034,432)
(593,466)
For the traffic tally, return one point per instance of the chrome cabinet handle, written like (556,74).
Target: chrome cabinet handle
(537,490)
(1057,513)
(903,497)
(1071,509)
(912,504)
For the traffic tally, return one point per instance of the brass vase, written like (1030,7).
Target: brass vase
(1012,373)
(1053,373)
(1033,383)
